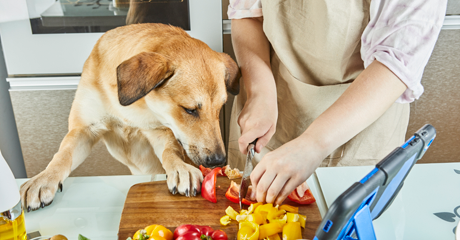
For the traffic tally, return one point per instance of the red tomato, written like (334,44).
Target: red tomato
(219,235)
(205,230)
(196,232)
(307,198)
(208,187)
(182,229)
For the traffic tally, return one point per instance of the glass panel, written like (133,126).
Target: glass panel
(83,16)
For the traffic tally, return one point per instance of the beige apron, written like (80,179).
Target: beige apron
(315,57)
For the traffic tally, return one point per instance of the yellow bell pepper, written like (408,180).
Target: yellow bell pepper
(280,221)
(225,220)
(264,208)
(241,218)
(275,214)
(159,231)
(253,207)
(255,218)
(248,231)
(292,231)
(302,220)
(274,237)
(289,208)
(154,232)
(231,212)
(269,229)
(292,217)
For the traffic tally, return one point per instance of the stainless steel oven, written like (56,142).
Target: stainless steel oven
(46,37)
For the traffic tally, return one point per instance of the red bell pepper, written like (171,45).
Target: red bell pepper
(205,171)
(196,232)
(307,198)
(233,192)
(208,187)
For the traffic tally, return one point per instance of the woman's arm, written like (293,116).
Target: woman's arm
(365,100)
(259,115)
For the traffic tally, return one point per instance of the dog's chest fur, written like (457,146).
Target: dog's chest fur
(130,146)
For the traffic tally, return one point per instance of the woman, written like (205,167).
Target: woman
(325,83)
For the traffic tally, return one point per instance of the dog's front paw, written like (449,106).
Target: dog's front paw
(39,191)
(185,179)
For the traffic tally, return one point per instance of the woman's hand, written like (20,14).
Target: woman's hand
(259,115)
(284,169)
(258,120)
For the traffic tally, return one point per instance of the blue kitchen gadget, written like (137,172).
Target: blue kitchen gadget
(350,215)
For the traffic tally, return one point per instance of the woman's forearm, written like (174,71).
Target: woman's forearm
(252,50)
(365,100)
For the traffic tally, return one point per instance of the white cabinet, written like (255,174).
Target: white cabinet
(41,108)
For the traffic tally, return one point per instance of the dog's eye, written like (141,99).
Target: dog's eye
(191,111)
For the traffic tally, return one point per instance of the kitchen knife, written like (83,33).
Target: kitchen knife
(245,181)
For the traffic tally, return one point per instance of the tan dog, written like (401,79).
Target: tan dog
(149,91)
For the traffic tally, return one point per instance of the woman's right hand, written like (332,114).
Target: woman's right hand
(260,112)
(258,119)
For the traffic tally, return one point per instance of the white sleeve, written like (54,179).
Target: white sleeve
(401,34)
(238,9)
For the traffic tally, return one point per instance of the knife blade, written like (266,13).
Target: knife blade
(245,180)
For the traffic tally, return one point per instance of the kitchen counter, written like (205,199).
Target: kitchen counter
(92,206)
(426,208)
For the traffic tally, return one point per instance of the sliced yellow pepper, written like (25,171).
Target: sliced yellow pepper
(241,218)
(248,231)
(253,207)
(269,229)
(275,214)
(292,217)
(225,220)
(256,218)
(274,237)
(264,208)
(292,231)
(289,208)
(231,212)
(302,220)
(280,221)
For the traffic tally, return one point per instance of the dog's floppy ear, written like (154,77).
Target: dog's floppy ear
(141,74)
(232,75)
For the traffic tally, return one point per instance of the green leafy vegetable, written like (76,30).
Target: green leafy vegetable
(80,237)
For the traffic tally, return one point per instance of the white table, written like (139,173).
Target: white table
(428,189)
(90,206)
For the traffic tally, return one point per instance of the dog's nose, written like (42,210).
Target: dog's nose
(216,160)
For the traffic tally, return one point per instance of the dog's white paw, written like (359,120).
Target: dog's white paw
(185,179)
(39,191)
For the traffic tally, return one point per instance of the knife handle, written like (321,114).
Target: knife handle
(252,146)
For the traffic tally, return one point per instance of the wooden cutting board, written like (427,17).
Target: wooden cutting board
(152,203)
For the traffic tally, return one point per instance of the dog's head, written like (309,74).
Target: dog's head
(186,89)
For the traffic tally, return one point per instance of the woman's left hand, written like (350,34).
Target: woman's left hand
(281,171)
